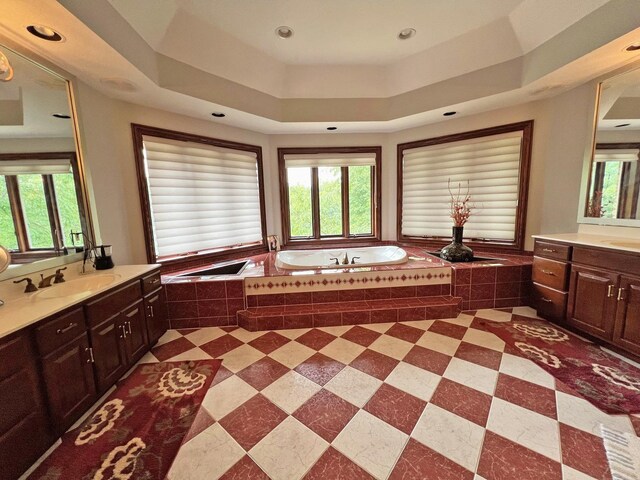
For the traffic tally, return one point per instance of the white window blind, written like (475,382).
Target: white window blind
(490,164)
(202,197)
(329,160)
(38,167)
(617,155)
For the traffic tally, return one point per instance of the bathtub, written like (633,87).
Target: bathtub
(314,259)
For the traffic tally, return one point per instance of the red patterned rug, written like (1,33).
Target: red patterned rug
(137,431)
(609,383)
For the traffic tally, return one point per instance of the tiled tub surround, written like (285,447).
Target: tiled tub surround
(425,287)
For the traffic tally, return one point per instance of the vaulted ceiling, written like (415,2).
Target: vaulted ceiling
(344,65)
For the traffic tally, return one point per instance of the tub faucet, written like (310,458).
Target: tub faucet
(345,259)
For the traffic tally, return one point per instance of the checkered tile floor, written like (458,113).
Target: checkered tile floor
(417,400)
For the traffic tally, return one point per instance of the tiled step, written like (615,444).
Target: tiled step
(349,313)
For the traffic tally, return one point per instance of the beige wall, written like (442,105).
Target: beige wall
(561,133)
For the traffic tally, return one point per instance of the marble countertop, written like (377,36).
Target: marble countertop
(624,244)
(29,308)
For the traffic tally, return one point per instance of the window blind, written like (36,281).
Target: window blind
(38,167)
(490,164)
(617,155)
(329,160)
(202,197)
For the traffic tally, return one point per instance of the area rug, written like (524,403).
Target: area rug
(137,431)
(609,383)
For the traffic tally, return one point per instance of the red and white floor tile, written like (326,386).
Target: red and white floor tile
(418,400)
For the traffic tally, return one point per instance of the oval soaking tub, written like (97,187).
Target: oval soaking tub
(364,257)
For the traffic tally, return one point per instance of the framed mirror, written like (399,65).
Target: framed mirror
(613,183)
(42,194)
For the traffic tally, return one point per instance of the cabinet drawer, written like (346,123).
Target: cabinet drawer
(109,305)
(14,353)
(550,304)
(550,273)
(151,282)
(555,251)
(618,261)
(55,333)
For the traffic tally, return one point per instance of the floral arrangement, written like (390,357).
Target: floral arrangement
(460,205)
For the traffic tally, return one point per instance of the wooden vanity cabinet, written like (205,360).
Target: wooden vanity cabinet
(592,301)
(134,326)
(25,431)
(627,327)
(63,344)
(550,275)
(155,309)
(107,340)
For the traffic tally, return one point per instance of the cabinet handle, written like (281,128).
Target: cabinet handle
(91,359)
(131,314)
(129,327)
(546,300)
(549,272)
(124,331)
(154,281)
(151,310)
(550,250)
(620,293)
(71,325)
(610,291)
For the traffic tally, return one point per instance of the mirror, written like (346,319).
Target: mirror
(41,186)
(614,179)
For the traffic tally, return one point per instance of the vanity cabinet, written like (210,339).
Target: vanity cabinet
(600,295)
(592,301)
(155,309)
(627,327)
(25,431)
(109,353)
(134,328)
(63,345)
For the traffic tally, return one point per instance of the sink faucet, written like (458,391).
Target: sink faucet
(345,259)
(46,281)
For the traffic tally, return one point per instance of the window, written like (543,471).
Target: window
(494,162)
(615,181)
(200,196)
(330,194)
(39,205)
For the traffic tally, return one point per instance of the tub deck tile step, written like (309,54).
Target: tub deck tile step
(349,313)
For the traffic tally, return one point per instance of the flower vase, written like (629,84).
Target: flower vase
(457,251)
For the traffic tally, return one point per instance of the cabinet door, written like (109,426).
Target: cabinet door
(156,313)
(592,301)
(24,427)
(135,340)
(109,353)
(69,382)
(627,331)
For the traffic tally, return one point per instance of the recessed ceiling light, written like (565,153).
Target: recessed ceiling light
(633,47)
(218,114)
(45,33)
(623,125)
(284,31)
(448,114)
(406,33)
(61,115)
(120,84)
(332,128)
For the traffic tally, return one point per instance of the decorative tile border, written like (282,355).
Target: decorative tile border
(347,281)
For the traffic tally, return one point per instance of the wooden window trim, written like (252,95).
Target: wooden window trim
(25,252)
(328,242)
(174,263)
(523,189)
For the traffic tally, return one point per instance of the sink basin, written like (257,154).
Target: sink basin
(77,287)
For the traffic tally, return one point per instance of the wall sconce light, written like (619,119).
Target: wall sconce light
(6,70)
